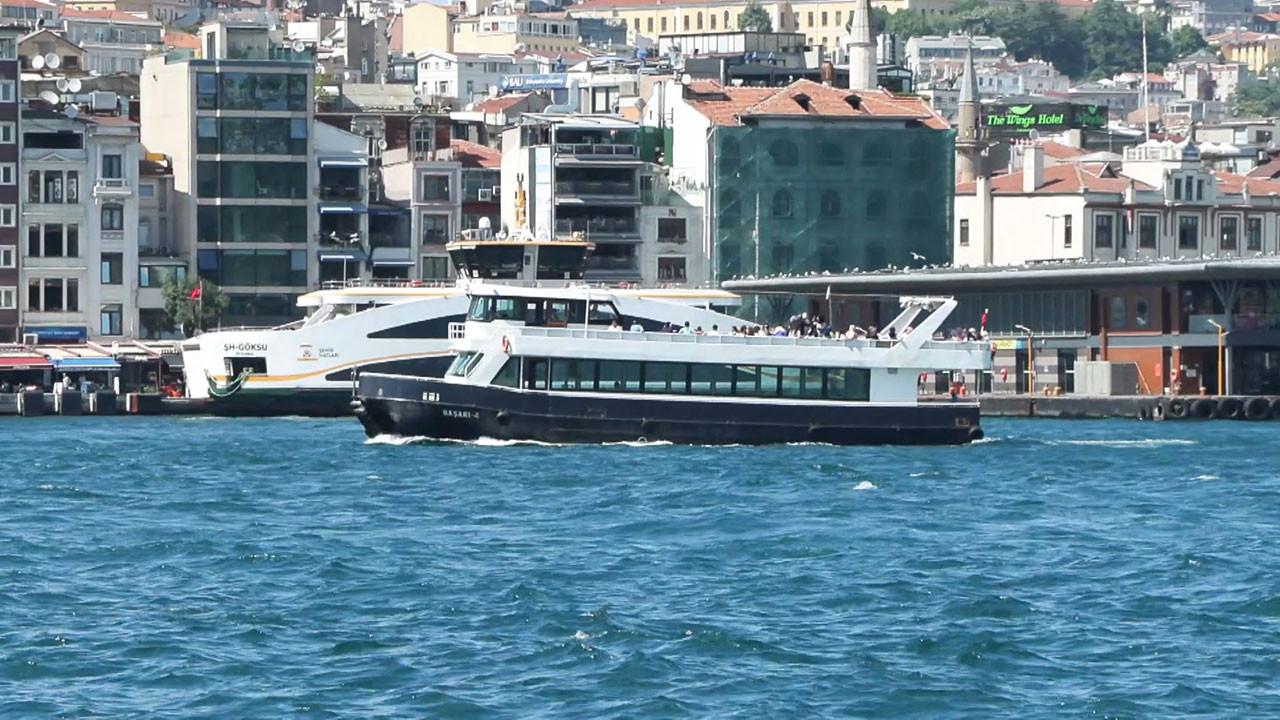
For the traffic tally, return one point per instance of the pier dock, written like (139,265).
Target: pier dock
(34,404)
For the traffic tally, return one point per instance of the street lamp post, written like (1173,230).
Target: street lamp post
(1031,365)
(1222,335)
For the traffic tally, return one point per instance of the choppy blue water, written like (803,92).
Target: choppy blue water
(156,567)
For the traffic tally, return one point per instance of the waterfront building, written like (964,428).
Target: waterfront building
(424,176)
(342,208)
(237,124)
(80,225)
(162,254)
(10,207)
(810,178)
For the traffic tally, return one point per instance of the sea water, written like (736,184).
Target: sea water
(228,568)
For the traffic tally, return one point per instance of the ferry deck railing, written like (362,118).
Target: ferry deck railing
(751,340)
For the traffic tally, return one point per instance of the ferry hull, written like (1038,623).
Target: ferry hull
(397,405)
(307,402)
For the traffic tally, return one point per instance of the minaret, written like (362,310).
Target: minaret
(862,49)
(968,140)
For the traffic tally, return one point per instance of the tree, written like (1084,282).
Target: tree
(754,17)
(1257,99)
(906,24)
(1186,40)
(189,313)
(1113,37)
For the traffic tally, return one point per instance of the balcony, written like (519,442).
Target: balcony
(340,193)
(596,188)
(596,226)
(334,239)
(112,187)
(596,150)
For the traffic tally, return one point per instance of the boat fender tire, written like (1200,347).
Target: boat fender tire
(1230,409)
(503,418)
(975,433)
(1257,409)
(1204,408)
(1177,408)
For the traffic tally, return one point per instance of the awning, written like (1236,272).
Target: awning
(85,363)
(347,209)
(385,210)
(343,163)
(392,257)
(24,362)
(173,360)
(341,255)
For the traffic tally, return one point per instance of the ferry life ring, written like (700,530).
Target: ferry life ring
(506,345)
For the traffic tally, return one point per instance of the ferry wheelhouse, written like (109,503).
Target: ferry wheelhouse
(306,368)
(523,372)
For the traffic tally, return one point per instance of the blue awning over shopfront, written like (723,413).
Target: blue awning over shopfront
(392,257)
(343,163)
(341,255)
(85,363)
(345,209)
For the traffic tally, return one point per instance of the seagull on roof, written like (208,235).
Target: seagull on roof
(917,256)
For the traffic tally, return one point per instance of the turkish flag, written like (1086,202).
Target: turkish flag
(195,293)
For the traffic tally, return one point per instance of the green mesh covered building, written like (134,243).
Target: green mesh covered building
(811,178)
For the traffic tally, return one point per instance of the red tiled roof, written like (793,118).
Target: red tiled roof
(501,103)
(1233,184)
(180,40)
(726,105)
(28,4)
(115,15)
(1268,17)
(472,155)
(1233,36)
(1060,180)
(1268,169)
(1058,151)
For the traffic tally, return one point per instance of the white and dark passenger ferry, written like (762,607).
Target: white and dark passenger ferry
(306,368)
(547,366)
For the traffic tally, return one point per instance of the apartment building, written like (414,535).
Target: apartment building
(10,120)
(113,41)
(467,77)
(237,125)
(161,254)
(80,223)
(513,32)
(342,211)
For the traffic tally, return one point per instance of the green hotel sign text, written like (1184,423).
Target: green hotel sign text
(1043,117)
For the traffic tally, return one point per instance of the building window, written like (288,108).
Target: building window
(1115,313)
(1228,232)
(712,18)
(8,257)
(73,186)
(112,267)
(112,216)
(435,267)
(686,22)
(671,230)
(726,19)
(8,174)
(112,167)
(671,269)
(829,204)
(7,133)
(1066,231)
(110,319)
(1103,230)
(435,188)
(52,186)
(699,20)
(1148,226)
(1253,237)
(649,24)
(964,232)
(8,215)
(810,18)
(8,48)
(147,190)
(782,204)
(824,18)
(8,298)
(1177,188)
(876,206)
(664,24)
(1199,188)
(784,153)
(435,229)
(1188,232)
(1141,313)
(6,91)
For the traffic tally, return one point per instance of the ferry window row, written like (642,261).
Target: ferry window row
(667,378)
(536,312)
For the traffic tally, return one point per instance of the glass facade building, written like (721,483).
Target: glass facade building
(795,200)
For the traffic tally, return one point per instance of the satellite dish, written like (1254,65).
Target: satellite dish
(50,97)
(62,84)
(1033,135)
(71,112)
(52,61)
(37,62)
(299,46)
(382,143)
(417,101)
(73,85)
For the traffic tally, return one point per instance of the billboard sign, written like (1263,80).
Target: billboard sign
(1042,117)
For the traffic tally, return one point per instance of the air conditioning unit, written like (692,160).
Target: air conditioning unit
(30,339)
(497,191)
(485,194)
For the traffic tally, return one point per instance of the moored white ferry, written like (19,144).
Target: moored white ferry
(306,368)
(517,374)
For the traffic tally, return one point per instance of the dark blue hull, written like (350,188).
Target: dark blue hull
(428,407)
